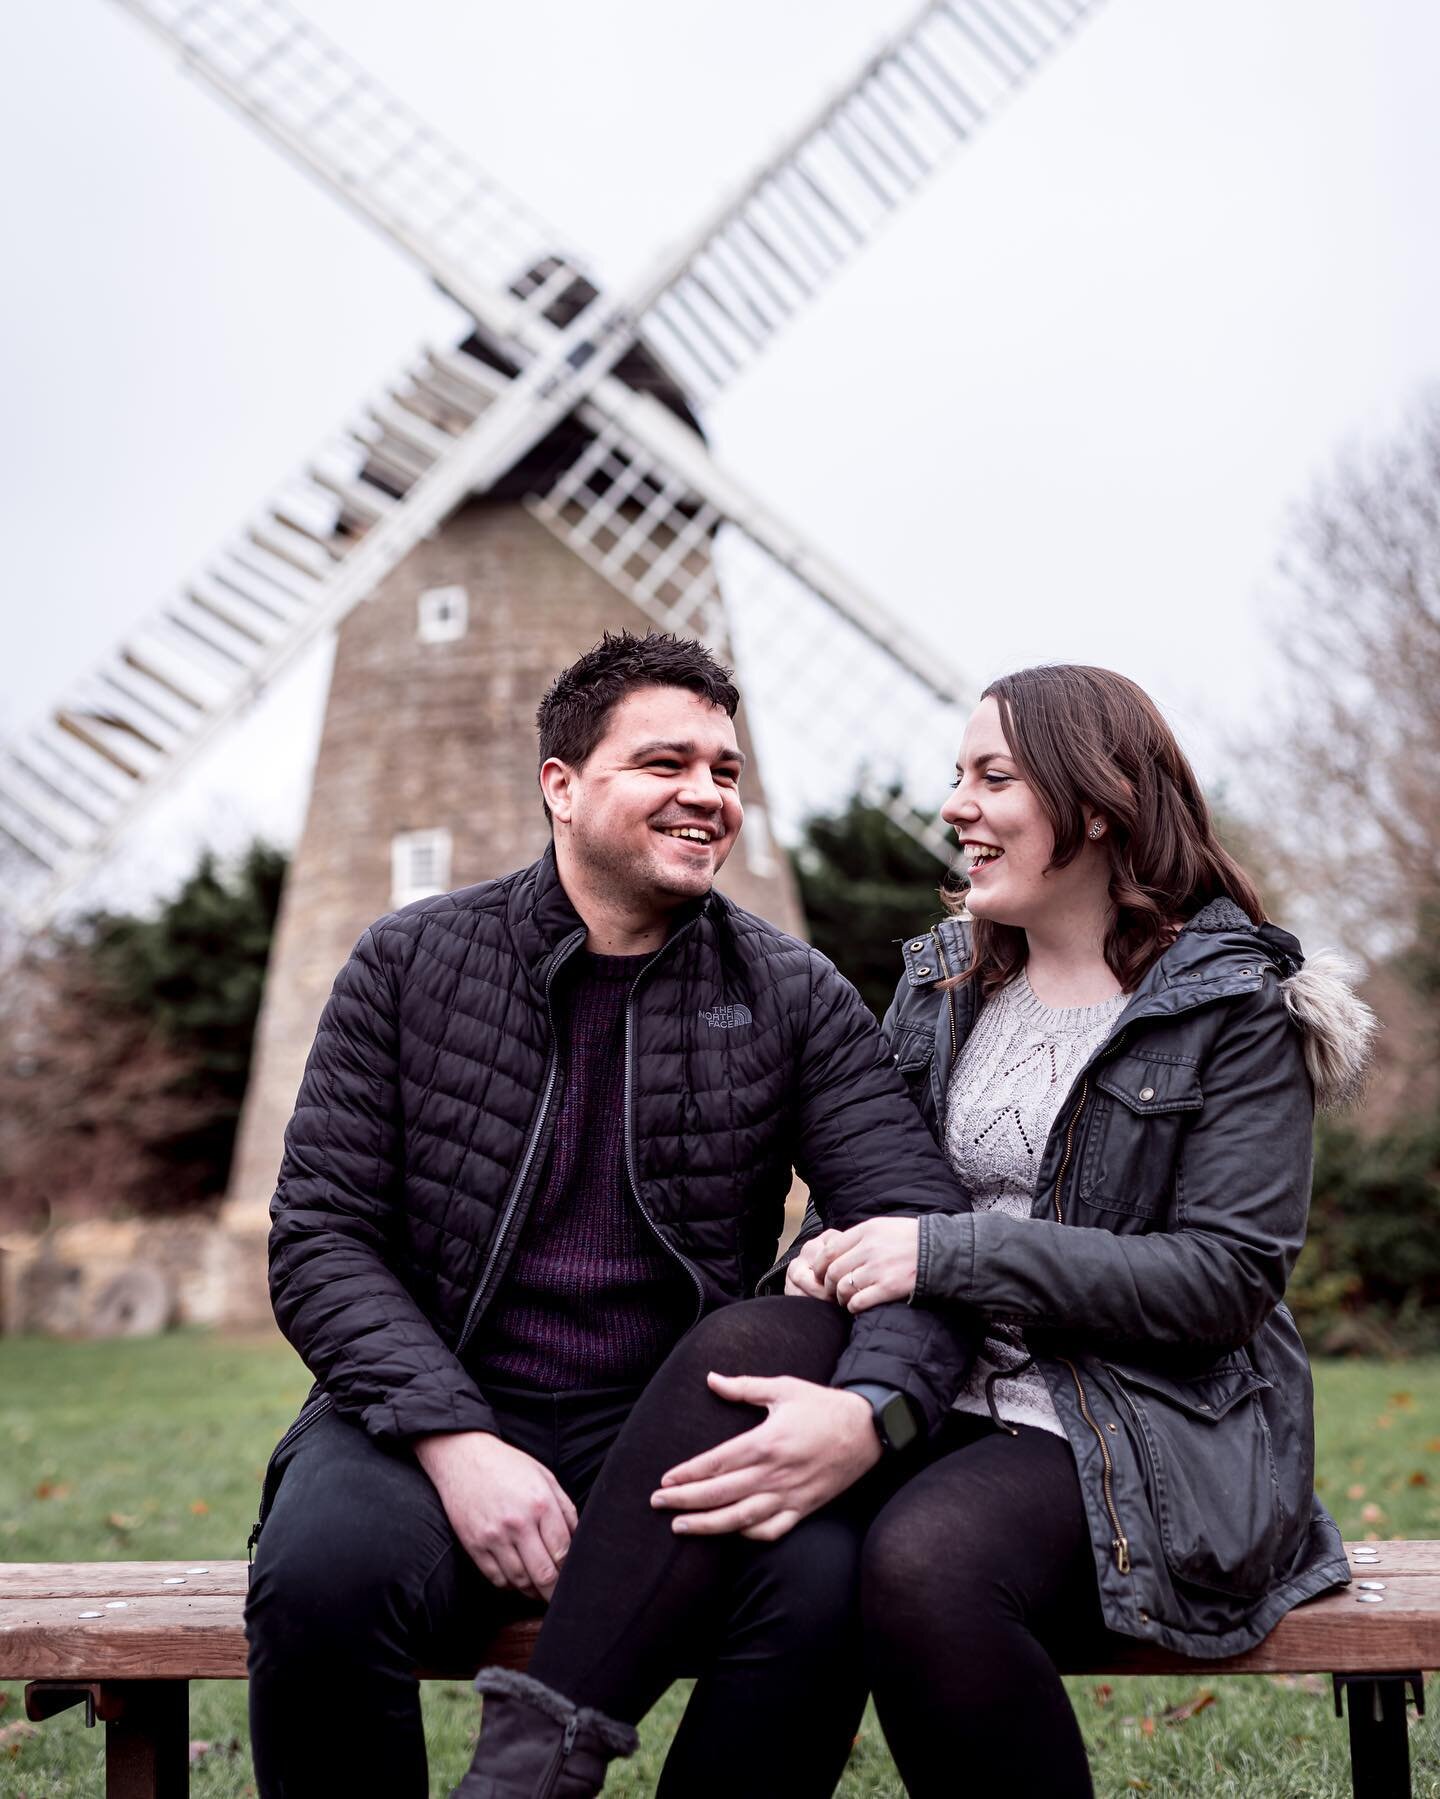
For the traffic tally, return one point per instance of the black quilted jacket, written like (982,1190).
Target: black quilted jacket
(420,1134)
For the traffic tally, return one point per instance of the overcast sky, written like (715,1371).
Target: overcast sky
(1061,409)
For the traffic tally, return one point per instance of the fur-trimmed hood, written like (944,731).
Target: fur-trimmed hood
(1339,1028)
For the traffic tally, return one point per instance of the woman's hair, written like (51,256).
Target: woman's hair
(1084,737)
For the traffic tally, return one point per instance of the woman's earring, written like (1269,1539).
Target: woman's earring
(1096,828)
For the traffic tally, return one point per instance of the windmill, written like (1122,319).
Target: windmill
(504,499)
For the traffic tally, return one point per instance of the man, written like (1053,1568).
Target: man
(547,1124)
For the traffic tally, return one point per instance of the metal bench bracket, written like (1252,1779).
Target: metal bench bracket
(147,1730)
(1379,1730)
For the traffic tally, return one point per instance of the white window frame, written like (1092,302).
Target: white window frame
(419,865)
(442,614)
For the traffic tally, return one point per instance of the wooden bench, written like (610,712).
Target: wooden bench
(125,1638)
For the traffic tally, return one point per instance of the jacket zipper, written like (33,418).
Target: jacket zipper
(519,1188)
(949,995)
(1119,1542)
(1069,1145)
(631,1169)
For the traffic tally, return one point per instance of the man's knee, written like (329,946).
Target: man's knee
(341,1567)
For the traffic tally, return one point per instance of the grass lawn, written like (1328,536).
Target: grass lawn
(154,1450)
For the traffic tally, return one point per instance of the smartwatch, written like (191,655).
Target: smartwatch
(896,1424)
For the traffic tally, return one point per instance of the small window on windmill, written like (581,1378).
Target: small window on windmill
(419,865)
(444,614)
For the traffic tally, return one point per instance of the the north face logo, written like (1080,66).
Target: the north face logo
(725,1018)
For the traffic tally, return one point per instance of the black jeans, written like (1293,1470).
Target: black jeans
(358,1580)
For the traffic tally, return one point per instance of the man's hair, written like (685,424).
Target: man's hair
(577,705)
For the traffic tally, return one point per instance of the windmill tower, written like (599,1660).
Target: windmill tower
(502,502)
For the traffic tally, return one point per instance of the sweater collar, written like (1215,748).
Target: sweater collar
(547,929)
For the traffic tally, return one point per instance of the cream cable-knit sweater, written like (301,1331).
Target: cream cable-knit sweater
(1010,1080)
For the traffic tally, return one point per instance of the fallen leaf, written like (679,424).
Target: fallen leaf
(1183,1713)
(1104,1694)
(1372,1513)
(1136,1785)
(1419,1479)
(121,1521)
(1147,1727)
(1384,1421)
(13,1735)
(4,1701)
(1434,1445)
(1403,1400)
(199,1507)
(53,1489)
(1355,1492)
(198,1751)
(1304,1683)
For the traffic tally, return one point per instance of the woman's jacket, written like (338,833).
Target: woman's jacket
(1169,1210)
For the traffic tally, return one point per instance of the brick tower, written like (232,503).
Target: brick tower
(426,780)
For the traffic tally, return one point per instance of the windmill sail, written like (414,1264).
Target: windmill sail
(643,498)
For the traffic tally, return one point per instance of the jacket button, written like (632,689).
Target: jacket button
(919,943)
(924,968)
(1109,1424)
(1147,1093)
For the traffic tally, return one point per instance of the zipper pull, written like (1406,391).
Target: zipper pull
(572,1730)
(251,1541)
(1122,1554)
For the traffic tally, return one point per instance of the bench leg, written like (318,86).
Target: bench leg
(147,1747)
(1379,1731)
(147,1730)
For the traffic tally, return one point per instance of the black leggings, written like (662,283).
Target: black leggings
(772,1628)
(975,1574)
(977,1559)
(359,1579)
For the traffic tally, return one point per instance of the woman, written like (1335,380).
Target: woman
(1122,1067)
(1114,1041)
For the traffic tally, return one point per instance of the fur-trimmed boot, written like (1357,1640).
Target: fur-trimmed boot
(537,1744)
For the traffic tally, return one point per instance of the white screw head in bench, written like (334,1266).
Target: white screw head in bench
(173,1580)
(116,1605)
(197,1570)
(88,1614)
(1370,1599)
(1373,1586)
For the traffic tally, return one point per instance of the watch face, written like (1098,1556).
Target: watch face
(897,1422)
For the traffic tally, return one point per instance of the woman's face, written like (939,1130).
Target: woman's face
(1004,832)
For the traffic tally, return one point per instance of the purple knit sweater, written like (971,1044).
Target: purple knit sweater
(590,1298)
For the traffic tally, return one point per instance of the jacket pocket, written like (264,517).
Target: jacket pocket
(313,1409)
(1132,1142)
(1206,1448)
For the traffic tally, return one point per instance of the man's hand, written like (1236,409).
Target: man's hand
(801,1280)
(513,1518)
(870,1264)
(815,1443)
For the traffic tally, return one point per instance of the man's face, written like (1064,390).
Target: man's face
(654,811)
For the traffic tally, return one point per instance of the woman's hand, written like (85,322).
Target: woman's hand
(801,1280)
(870,1264)
(815,1443)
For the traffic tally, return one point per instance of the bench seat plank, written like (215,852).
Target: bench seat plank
(117,1580)
(194,1631)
